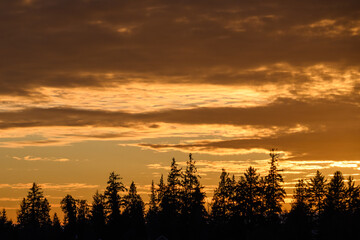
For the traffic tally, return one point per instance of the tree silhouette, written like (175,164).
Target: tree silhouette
(6,226)
(192,195)
(98,214)
(250,194)
(299,218)
(222,200)
(113,199)
(274,193)
(134,213)
(317,191)
(170,204)
(34,209)
(68,206)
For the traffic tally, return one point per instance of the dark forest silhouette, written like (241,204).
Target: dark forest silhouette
(246,208)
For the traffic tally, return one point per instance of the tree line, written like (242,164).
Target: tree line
(249,207)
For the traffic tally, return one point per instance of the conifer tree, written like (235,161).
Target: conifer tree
(352,199)
(68,206)
(192,194)
(98,215)
(316,192)
(56,222)
(161,189)
(34,209)
(299,218)
(83,212)
(274,193)
(171,203)
(153,204)
(222,205)
(133,205)
(336,193)
(250,191)
(112,197)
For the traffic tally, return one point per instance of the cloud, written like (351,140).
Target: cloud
(32,158)
(52,186)
(99,45)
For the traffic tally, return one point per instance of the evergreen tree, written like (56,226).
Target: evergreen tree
(222,206)
(98,215)
(274,193)
(170,204)
(192,195)
(316,193)
(336,193)
(133,205)
(299,218)
(250,194)
(83,212)
(352,199)
(134,213)
(161,190)
(56,222)
(6,226)
(113,199)
(153,204)
(68,206)
(34,209)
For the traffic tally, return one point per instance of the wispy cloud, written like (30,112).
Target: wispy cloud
(32,158)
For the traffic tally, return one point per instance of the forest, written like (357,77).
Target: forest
(248,207)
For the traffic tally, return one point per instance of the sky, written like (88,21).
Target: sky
(93,86)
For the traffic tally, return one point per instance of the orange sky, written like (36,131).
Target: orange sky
(88,87)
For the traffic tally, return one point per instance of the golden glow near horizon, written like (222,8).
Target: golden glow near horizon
(89,88)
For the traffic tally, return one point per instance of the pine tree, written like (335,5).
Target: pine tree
(83,212)
(170,204)
(336,194)
(98,215)
(274,193)
(352,199)
(161,189)
(222,205)
(153,204)
(68,206)
(192,194)
(133,205)
(34,209)
(112,197)
(134,213)
(56,222)
(316,192)
(299,218)
(250,191)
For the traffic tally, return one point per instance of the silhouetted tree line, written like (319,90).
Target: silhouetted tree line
(246,208)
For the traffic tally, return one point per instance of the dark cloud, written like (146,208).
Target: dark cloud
(330,144)
(284,112)
(66,43)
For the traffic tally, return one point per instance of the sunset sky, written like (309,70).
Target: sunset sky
(93,86)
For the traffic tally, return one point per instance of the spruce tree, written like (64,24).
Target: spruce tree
(222,206)
(68,206)
(192,194)
(274,193)
(317,192)
(98,215)
(336,194)
(153,204)
(133,205)
(250,191)
(170,204)
(113,199)
(34,209)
